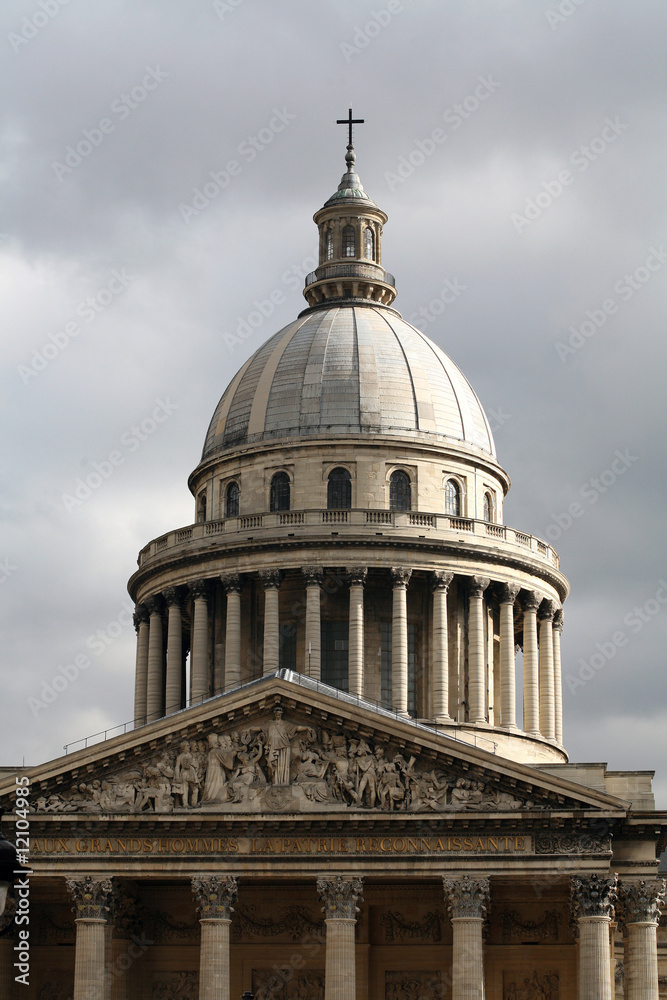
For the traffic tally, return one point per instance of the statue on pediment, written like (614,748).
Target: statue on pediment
(278,736)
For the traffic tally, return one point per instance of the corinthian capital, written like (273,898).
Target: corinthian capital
(640,902)
(271,578)
(466,897)
(198,589)
(440,580)
(546,611)
(91,897)
(215,896)
(231,583)
(356,575)
(140,616)
(172,597)
(507,592)
(530,602)
(339,895)
(314,575)
(477,585)
(558,621)
(592,896)
(400,576)
(154,604)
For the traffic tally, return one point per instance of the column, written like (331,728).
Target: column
(271,660)
(400,578)
(440,646)
(313,662)
(558,680)
(467,902)
(507,594)
(340,894)
(231,584)
(141,625)
(172,696)
(92,902)
(127,944)
(545,616)
(155,684)
(639,909)
(357,578)
(214,896)
(476,672)
(592,900)
(531,705)
(199,686)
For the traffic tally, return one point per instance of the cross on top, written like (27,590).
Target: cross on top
(349,121)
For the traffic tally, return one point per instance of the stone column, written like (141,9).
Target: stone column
(531,688)
(155,685)
(172,695)
(400,578)
(477,706)
(92,902)
(507,594)
(357,577)
(271,660)
(545,616)
(440,646)
(558,679)
(141,620)
(199,663)
(639,910)
(214,895)
(313,660)
(340,894)
(232,586)
(467,902)
(592,900)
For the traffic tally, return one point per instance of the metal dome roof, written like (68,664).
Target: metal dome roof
(348,369)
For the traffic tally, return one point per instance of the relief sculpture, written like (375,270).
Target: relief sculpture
(278,764)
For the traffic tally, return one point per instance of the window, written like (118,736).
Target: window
(369,244)
(232,500)
(488,507)
(452,498)
(201,507)
(399,491)
(330,251)
(335,651)
(279,499)
(348,242)
(339,490)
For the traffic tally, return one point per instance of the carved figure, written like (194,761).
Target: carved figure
(215,785)
(390,788)
(365,764)
(278,751)
(310,775)
(186,779)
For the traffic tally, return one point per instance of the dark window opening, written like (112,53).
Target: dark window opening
(399,491)
(339,490)
(452,498)
(280,492)
(348,242)
(369,244)
(232,501)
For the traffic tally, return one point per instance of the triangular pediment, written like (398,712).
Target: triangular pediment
(278,747)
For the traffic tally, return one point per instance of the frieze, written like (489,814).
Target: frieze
(302,984)
(295,923)
(414,985)
(535,986)
(282,765)
(398,928)
(571,843)
(177,986)
(518,931)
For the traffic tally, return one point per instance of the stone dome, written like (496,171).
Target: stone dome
(349,369)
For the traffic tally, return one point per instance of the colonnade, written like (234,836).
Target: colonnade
(159,686)
(109,942)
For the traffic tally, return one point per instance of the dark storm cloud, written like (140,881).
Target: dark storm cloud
(166,95)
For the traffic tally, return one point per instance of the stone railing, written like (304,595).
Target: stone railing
(415,524)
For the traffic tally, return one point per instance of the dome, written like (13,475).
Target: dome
(348,369)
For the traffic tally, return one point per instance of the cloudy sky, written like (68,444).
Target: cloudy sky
(519,150)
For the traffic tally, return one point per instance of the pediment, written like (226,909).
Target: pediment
(277,747)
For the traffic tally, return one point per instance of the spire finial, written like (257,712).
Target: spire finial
(350,121)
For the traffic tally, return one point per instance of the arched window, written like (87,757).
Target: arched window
(279,499)
(339,490)
(452,498)
(330,251)
(348,242)
(399,491)
(369,244)
(232,500)
(488,507)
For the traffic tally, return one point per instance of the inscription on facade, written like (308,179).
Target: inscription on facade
(288,846)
